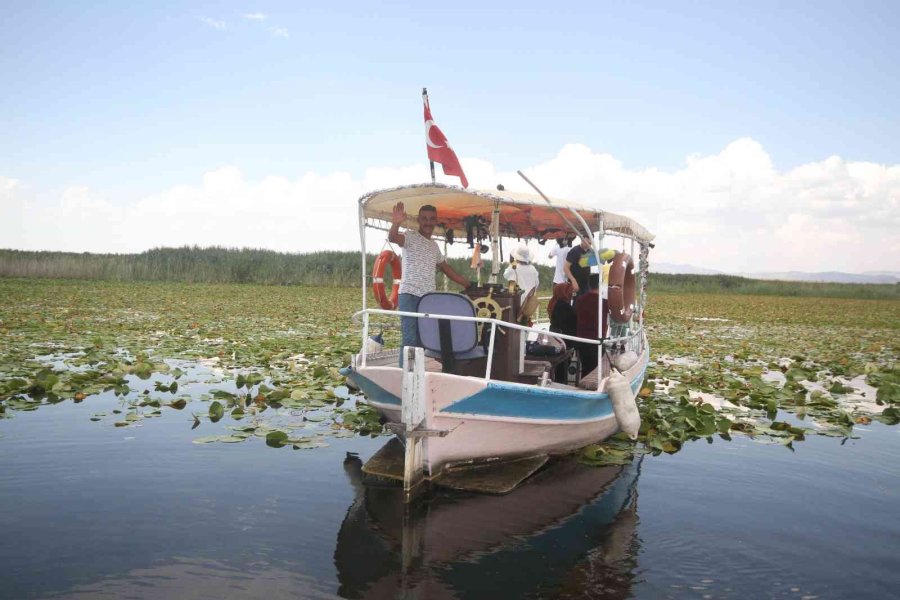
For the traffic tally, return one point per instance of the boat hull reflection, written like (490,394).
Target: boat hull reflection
(568,529)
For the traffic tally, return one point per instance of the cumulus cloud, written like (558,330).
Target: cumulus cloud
(259,17)
(214,23)
(732,211)
(12,209)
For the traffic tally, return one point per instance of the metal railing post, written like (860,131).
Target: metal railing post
(365,336)
(490,356)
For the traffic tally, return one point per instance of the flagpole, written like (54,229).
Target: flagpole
(425,100)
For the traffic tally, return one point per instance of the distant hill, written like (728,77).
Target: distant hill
(873,277)
(680,268)
(828,276)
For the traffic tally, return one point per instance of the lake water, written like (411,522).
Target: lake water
(88,510)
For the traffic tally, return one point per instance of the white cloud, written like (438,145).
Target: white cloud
(214,23)
(7,187)
(12,209)
(731,211)
(259,17)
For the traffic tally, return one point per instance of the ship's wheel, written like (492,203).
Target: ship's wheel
(488,308)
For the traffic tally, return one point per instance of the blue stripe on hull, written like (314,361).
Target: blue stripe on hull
(509,400)
(500,399)
(373,391)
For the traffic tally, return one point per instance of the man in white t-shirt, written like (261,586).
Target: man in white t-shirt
(421,256)
(559,252)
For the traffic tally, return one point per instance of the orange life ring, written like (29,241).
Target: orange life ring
(384,259)
(621,288)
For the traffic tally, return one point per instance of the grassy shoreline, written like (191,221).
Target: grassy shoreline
(342,269)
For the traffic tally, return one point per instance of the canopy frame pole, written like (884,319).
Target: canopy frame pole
(362,270)
(559,212)
(637,301)
(644,267)
(600,329)
(587,231)
(495,243)
(446,279)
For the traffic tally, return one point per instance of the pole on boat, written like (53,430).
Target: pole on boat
(590,235)
(362,245)
(412,412)
(425,100)
(559,212)
(446,279)
(601,232)
(587,230)
(495,243)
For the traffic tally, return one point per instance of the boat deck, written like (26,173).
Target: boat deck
(532,373)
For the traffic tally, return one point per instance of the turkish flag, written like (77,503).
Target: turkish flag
(439,150)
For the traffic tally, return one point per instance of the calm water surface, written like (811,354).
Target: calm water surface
(91,511)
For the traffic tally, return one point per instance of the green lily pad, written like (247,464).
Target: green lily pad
(276,439)
(216,411)
(207,439)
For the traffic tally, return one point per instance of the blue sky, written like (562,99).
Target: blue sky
(130,99)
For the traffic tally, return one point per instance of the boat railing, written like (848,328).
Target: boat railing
(627,341)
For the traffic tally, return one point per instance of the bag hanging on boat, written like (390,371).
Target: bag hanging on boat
(624,406)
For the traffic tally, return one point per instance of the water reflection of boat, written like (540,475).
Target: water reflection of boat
(570,526)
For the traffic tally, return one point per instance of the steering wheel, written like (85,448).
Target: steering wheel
(488,308)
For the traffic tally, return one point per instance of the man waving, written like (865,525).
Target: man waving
(421,257)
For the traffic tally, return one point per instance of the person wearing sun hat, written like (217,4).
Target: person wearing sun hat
(521,271)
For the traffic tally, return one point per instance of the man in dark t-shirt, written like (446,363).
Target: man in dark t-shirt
(578,267)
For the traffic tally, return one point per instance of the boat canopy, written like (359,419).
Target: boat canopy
(522,215)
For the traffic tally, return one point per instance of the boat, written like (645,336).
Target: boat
(481,392)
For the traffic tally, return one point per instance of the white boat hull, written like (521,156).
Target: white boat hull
(482,420)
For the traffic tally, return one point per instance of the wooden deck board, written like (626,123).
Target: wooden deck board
(499,477)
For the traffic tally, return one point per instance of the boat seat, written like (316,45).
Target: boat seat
(450,341)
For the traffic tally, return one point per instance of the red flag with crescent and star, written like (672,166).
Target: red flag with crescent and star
(439,150)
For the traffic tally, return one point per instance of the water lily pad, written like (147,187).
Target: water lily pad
(208,439)
(216,411)
(276,439)
(310,445)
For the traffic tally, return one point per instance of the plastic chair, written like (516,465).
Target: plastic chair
(450,341)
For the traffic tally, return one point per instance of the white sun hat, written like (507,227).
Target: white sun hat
(522,253)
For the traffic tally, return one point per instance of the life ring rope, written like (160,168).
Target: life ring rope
(385,259)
